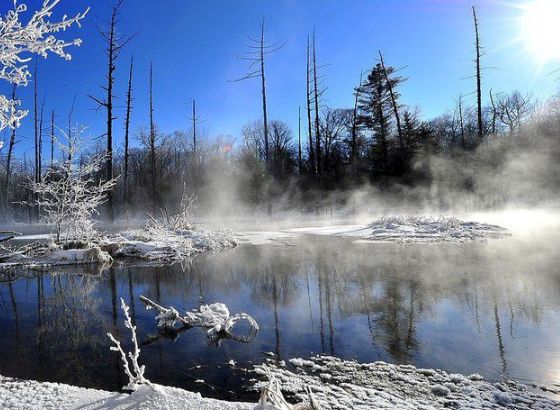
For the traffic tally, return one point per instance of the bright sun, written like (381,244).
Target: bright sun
(540,25)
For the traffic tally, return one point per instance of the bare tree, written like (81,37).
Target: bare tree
(36,126)
(308,100)
(300,163)
(194,120)
(52,139)
(513,109)
(478,77)
(152,141)
(258,49)
(316,101)
(127,131)
(114,43)
(11,145)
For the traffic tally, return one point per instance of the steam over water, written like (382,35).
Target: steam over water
(492,309)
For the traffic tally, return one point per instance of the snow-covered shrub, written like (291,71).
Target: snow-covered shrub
(70,193)
(424,229)
(20,40)
(136,375)
(182,219)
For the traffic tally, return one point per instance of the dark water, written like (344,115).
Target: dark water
(492,309)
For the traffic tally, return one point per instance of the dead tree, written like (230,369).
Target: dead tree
(52,139)
(257,50)
(127,131)
(194,120)
(9,156)
(393,103)
(478,77)
(316,101)
(152,142)
(115,43)
(300,164)
(36,123)
(312,167)
(41,117)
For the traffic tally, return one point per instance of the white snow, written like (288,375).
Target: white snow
(163,244)
(330,382)
(424,229)
(351,385)
(32,395)
(407,229)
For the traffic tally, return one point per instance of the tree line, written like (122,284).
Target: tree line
(379,140)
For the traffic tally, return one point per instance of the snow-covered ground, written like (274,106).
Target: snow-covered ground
(163,244)
(338,384)
(149,244)
(334,384)
(31,395)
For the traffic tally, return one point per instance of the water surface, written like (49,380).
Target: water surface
(492,309)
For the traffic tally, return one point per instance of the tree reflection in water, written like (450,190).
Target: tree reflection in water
(492,309)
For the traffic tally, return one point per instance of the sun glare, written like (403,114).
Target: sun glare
(540,25)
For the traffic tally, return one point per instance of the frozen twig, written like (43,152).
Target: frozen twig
(136,375)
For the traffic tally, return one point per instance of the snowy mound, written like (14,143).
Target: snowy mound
(423,229)
(338,384)
(157,243)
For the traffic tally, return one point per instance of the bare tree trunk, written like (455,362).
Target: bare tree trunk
(40,160)
(115,43)
(52,139)
(393,103)
(312,167)
(127,132)
(265,114)
(9,157)
(316,99)
(194,167)
(36,122)
(300,164)
(152,143)
(478,77)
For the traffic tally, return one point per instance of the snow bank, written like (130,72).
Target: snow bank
(31,395)
(339,384)
(164,244)
(48,255)
(423,229)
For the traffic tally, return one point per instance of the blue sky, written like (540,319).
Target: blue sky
(193,45)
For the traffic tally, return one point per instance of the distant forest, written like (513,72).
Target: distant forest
(501,149)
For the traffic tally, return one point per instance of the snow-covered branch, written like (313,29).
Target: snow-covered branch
(19,40)
(214,317)
(136,374)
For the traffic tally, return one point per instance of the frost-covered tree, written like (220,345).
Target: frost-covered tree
(19,40)
(70,192)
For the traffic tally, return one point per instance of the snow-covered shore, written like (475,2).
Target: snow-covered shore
(334,384)
(147,244)
(338,384)
(32,395)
